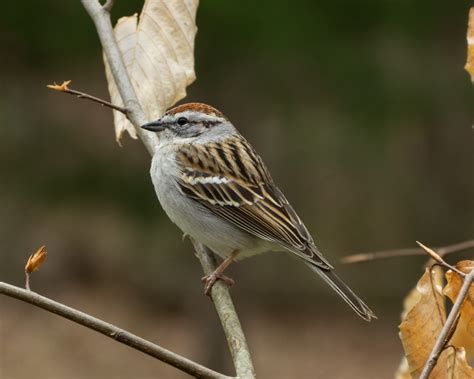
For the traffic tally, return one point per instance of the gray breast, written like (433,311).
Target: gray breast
(194,219)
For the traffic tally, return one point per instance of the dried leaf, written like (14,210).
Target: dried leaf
(460,369)
(403,371)
(410,301)
(158,52)
(452,365)
(36,260)
(464,334)
(422,323)
(62,87)
(469,67)
(423,318)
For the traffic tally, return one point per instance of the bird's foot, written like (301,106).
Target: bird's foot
(210,280)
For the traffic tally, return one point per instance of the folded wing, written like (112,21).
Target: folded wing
(231,180)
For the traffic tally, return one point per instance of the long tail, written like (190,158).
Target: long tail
(345,292)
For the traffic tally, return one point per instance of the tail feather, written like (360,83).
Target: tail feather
(345,292)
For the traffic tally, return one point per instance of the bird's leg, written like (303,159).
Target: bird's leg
(218,273)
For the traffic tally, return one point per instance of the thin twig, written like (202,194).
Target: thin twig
(228,316)
(109,4)
(27,281)
(443,336)
(222,300)
(442,251)
(110,331)
(436,257)
(81,95)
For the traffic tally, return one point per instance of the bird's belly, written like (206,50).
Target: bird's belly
(195,220)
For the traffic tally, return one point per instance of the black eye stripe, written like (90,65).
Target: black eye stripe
(210,123)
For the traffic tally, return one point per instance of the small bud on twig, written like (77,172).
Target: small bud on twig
(431,252)
(437,258)
(63,87)
(34,263)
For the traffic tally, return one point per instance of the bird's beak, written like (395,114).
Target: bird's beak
(154,126)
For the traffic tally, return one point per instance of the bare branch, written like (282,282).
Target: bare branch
(442,251)
(221,295)
(443,337)
(228,316)
(81,95)
(110,331)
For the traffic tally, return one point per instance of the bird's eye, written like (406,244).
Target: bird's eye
(182,121)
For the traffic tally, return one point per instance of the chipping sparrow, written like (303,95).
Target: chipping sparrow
(215,187)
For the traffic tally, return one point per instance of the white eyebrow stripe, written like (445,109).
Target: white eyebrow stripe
(208,180)
(197,117)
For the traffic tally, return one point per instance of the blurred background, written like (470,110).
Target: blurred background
(361,110)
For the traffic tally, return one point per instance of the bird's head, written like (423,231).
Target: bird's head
(191,121)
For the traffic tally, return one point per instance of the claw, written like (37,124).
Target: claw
(210,280)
